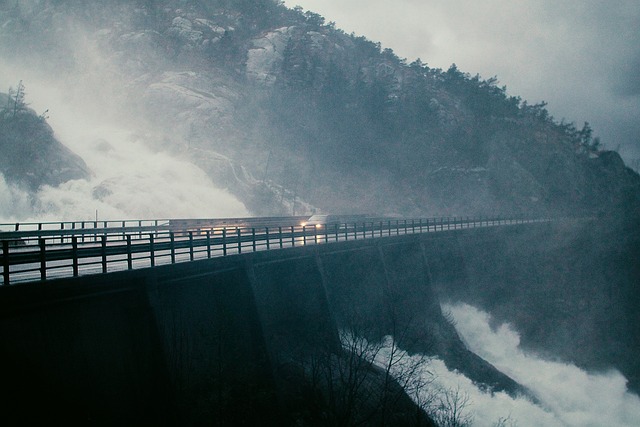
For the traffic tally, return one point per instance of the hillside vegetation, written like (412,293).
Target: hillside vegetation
(290,113)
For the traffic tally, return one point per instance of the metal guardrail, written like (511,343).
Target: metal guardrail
(35,252)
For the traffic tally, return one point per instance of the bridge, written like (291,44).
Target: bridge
(49,250)
(174,322)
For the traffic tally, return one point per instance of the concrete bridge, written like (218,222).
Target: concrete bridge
(224,336)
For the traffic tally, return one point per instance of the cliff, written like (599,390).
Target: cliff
(282,108)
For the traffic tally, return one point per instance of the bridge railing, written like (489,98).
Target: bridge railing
(46,252)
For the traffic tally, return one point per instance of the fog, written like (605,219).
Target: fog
(131,177)
(581,56)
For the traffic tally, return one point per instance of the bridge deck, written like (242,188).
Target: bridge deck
(38,252)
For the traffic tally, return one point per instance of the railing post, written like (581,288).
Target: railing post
(173,247)
(238,235)
(152,254)
(420,225)
(43,259)
(191,245)
(129,254)
(304,235)
(336,230)
(355,231)
(224,242)
(253,238)
(389,227)
(293,238)
(346,231)
(5,261)
(208,243)
(315,234)
(280,236)
(266,232)
(74,255)
(103,245)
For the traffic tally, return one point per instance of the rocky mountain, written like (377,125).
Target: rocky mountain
(290,113)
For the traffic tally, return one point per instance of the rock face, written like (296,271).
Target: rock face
(31,156)
(306,115)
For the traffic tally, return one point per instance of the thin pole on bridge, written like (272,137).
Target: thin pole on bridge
(208,243)
(191,245)
(129,256)
(173,247)
(103,251)
(293,239)
(224,242)
(43,259)
(5,261)
(266,231)
(74,255)
(152,253)
(253,239)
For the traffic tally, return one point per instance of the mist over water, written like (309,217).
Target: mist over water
(565,394)
(568,395)
(130,177)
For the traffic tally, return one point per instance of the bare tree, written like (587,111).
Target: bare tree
(451,408)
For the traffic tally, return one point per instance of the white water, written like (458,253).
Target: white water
(574,397)
(567,395)
(130,179)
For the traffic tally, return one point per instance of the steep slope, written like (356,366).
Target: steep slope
(31,156)
(290,113)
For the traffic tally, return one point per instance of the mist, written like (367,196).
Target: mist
(561,393)
(133,174)
(579,56)
(568,395)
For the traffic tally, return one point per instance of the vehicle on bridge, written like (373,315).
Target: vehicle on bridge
(324,220)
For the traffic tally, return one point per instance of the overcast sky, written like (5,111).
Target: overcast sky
(580,56)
